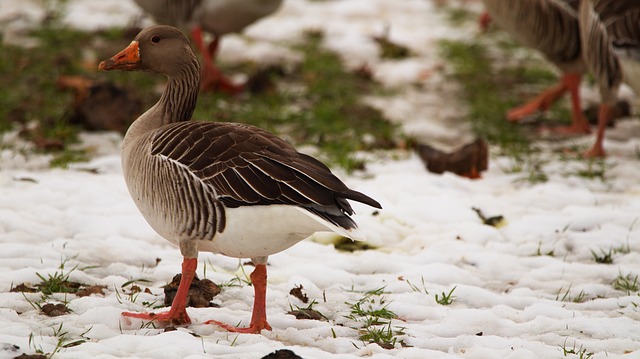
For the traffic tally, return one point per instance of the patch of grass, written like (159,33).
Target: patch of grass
(385,336)
(133,292)
(64,340)
(485,93)
(446,298)
(623,248)
(457,16)
(28,89)
(67,156)
(58,282)
(626,283)
(531,166)
(415,288)
(237,280)
(604,257)
(539,251)
(30,98)
(565,296)
(578,353)
(345,244)
(594,168)
(374,319)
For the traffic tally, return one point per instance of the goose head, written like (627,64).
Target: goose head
(162,49)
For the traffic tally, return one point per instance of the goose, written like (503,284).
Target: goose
(578,37)
(610,35)
(216,17)
(552,28)
(603,63)
(623,28)
(226,188)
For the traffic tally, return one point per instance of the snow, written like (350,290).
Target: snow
(508,298)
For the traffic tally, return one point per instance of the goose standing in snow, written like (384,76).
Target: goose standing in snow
(603,63)
(552,28)
(576,36)
(606,28)
(226,188)
(216,17)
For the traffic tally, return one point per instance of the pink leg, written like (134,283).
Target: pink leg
(259,315)
(178,312)
(597,149)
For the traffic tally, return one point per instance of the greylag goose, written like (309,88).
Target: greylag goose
(217,17)
(225,188)
(603,63)
(551,27)
(609,29)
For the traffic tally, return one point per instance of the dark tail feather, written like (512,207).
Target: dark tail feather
(362,198)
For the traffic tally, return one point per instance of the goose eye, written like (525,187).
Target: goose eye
(155,39)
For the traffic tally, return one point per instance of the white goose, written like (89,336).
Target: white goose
(216,17)
(226,188)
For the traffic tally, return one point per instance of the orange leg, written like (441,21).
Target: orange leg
(178,313)
(579,124)
(597,149)
(259,315)
(484,21)
(212,77)
(542,102)
(569,82)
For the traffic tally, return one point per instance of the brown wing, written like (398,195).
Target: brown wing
(246,165)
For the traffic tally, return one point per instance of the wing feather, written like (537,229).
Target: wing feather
(245,165)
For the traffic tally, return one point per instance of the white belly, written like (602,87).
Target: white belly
(259,231)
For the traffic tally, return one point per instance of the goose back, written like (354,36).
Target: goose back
(178,13)
(217,17)
(548,26)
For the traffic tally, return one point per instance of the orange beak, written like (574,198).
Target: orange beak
(126,60)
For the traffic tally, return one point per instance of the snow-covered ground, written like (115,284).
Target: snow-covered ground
(524,290)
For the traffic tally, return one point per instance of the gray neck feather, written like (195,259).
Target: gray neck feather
(179,98)
(176,104)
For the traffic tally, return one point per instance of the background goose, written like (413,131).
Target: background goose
(603,63)
(216,17)
(609,33)
(624,30)
(604,32)
(552,28)
(225,188)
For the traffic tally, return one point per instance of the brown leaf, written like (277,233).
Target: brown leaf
(297,292)
(55,310)
(305,313)
(94,289)
(468,161)
(23,288)
(201,292)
